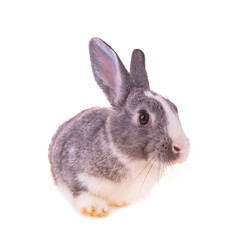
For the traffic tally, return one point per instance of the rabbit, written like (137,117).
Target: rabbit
(114,156)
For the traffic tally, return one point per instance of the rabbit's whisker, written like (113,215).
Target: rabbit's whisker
(148,172)
(147,164)
(160,171)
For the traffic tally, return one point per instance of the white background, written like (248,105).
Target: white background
(197,55)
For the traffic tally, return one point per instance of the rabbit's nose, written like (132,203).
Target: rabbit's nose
(176,149)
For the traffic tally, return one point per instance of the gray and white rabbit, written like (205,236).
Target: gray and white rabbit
(114,156)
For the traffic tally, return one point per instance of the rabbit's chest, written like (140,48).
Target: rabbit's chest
(140,179)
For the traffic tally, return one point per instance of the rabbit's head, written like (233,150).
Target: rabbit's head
(143,125)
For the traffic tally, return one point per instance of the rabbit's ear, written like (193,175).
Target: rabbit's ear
(137,69)
(109,72)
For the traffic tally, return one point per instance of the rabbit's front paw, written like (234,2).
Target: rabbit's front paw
(92,206)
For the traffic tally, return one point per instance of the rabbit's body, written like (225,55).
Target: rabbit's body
(73,147)
(113,156)
(83,157)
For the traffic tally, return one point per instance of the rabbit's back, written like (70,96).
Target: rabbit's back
(81,145)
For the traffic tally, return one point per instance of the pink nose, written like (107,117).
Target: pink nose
(176,149)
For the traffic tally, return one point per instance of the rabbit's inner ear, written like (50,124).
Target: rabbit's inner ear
(108,71)
(104,63)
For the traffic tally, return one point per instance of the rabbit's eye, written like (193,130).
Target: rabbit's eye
(144,118)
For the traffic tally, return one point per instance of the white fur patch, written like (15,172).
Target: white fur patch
(138,183)
(174,127)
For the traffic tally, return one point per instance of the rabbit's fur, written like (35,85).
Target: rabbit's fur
(105,156)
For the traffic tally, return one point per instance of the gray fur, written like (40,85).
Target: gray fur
(138,142)
(82,144)
(138,71)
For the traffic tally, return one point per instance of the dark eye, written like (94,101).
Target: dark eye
(144,118)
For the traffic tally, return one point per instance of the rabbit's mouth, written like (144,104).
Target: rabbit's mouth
(168,153)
